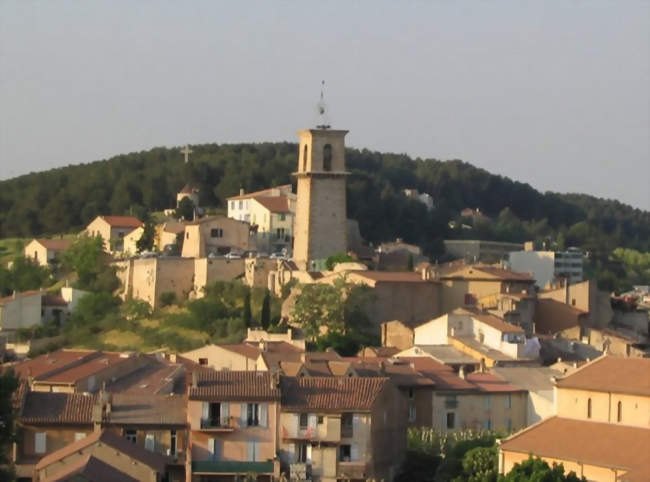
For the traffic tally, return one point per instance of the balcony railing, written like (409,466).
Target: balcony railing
(218,423)
(230,467)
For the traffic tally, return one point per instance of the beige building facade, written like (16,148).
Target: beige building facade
(321,222)
(112,230)
(46,252)
(214,235)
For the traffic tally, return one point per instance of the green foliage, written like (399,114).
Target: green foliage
(265,315)
(418,467)
(145,243)
(536,470)
(24,274)
(8,385)
(480,464)
(167,298)
(133,309)
(462,455)
(338,258)
(339,307)
(87,258)
(185,209)
(345,344)
(247,314)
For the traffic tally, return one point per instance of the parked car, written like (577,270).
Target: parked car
(232,255)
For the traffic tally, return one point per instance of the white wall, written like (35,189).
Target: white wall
(433,332)
(540,263)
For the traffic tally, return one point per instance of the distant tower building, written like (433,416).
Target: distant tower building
(321,223)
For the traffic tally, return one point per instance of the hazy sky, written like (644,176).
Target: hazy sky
(553,93)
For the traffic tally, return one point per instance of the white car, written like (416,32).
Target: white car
(232,255)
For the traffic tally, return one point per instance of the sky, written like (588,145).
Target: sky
(552,93)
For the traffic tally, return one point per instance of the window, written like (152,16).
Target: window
(573,302)
(304,158)
(255,413)
(252,450)
(187,235)
(40,442)
(241,204)
(79,436)
(283,217)
(232,204)
(508,401)
(320,420)
(327,157)
(304,421)
(216,233)
(589,408)
(451,420)
(345,453)
(411,394)
(487,402)
(469,299)
(301,453)
(347,424)
(214,448)
(131,435)
(619,411)
(149,442)
(203,361)
(172,442)
(412,413)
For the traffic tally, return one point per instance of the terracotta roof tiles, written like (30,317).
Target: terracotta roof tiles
(57,408)
(600,444)
(331,394)
(123,221)
(89,468)
(55,244)
(263,192)
(234,386)
(611,374)
(275,204)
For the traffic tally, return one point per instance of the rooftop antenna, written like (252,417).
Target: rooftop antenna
(321,107)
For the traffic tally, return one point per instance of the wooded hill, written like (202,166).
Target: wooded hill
(65,199)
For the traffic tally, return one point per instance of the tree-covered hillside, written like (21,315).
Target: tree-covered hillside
(65,199)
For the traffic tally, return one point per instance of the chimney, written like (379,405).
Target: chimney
(241,191)
(461,372)
(195,379)
(482,369)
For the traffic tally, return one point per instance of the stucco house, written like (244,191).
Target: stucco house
(46,252)
(601,429)
(215,235)
(112,230)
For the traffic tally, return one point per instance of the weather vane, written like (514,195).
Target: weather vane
(322,109)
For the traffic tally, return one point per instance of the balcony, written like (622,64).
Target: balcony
(351,470)
(218,424)
(231,467)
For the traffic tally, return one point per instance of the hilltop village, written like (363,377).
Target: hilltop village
(361,355)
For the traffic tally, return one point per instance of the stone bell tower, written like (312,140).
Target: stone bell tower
(321,222)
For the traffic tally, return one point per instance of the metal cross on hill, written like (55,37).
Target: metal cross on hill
(186,151)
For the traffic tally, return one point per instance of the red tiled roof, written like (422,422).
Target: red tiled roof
(275,204)
(57,408)
(150,459)
(331,394)
(129,409)
(53,300)
(494,321)
(443,376)
(101,362)
(398,370)
(611,374)
(490,382)
(391,276)
(233,386)
(89,468)
(123,221)
(594,443)
(187,189)
(55,244)
(50,362)
(263,192)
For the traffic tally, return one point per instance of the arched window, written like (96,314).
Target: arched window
(619,411)
(327,157)
(589,408)
(304,158)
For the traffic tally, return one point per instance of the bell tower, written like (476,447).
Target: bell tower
(321,221)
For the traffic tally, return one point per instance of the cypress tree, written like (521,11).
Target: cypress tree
(265,320)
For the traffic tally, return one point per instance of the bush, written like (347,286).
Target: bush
(167,298)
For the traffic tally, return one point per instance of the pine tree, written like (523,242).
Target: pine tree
(247,310)
(265,318)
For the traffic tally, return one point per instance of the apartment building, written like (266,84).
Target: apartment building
(233,417)
(601,430)
(549,266)
(336,428)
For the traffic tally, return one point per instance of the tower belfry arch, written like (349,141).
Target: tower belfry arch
(321,221)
